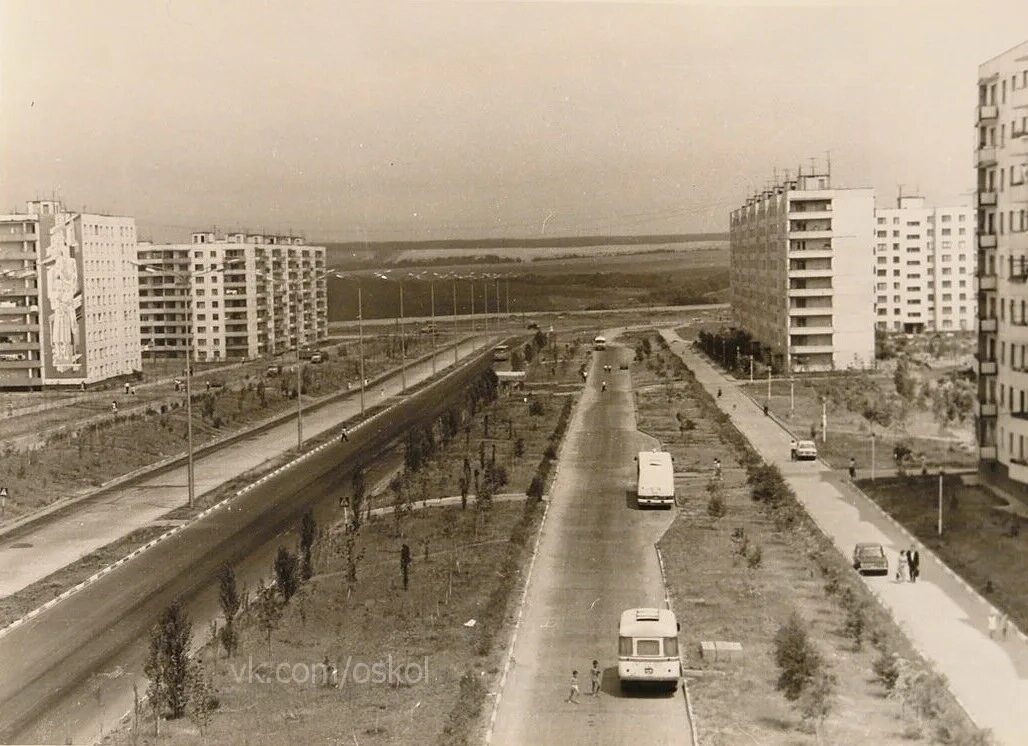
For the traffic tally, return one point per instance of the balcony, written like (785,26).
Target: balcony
(819,253)
(810,234)
(985,113)
(986,240)
(801,273)
(987,409)
(986,199)
(985,156)
(810,311)
(811,349)
(795,330)
(988,324)
(810,292)
(986,367)
(987,282)
(987,453)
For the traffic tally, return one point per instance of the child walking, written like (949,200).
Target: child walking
(573,695)
(597,677)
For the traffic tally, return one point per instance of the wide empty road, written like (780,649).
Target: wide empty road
(596,558)
(58,541)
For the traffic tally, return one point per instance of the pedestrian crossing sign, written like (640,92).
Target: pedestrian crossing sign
(3,492)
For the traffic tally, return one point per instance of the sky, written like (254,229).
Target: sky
(397,121)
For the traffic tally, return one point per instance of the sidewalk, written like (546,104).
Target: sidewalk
(942,616)
(53,544)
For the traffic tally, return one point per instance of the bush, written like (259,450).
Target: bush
(536,408)
(535,489)
(754,557)
(519,447)
(716,507)
(886,669)
(550,452)
(797,659)
(855,623)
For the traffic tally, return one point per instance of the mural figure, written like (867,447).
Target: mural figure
(62,289)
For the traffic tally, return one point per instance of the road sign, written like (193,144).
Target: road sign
(3,492)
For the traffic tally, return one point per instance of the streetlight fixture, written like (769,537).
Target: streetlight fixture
(187,275)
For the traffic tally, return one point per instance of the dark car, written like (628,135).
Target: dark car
(870,558)
(273,370)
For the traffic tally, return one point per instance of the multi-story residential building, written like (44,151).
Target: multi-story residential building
(801,272)
(925,259)
(250,295)
(1001,161)
(68,297)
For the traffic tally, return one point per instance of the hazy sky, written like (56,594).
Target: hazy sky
(432,120)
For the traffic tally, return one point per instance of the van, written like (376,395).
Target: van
(600,343)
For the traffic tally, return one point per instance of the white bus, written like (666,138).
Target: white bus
(600,343)
(501,352)
(648,648)
(656,481)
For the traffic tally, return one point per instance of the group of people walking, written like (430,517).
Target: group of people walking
(908,568)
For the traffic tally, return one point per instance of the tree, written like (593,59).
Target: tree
(716,507)
(817,700)
(228,597)
(262,394)
(405,561)
(516,361)
(269,611)
(354,554)
(360,486)
(167,662)
(286,573)
(519,447)
(463,492)
(796,657)
(308,535)
(202,702)
(906,384)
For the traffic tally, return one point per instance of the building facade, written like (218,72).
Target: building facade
(1001,162)
(249,296)
(925,262)
(801,273)
(69,297)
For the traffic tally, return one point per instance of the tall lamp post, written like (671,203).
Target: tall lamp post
(403,342)
(187,276)
(360,327)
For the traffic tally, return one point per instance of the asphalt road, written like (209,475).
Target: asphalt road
(48,691)
(596,558)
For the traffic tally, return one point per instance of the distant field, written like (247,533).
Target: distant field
(613,277)
(528,255)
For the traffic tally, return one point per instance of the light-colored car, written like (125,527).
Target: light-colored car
(806,449)
(869,557)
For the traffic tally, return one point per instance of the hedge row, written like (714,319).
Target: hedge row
(542,472)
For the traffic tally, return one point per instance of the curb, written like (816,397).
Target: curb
(685,682)
(198,517)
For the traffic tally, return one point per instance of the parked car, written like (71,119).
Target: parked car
(624,366)
(273,370)
(869,557)
(531,325)
(806,449)
(317,357)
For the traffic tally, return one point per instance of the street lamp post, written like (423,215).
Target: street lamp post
(792,395)
(769,384)
(872,452)
(824,420)
(431,290)
(455,320)
(941,473)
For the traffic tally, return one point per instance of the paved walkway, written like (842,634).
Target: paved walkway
(943,618)
(74,534)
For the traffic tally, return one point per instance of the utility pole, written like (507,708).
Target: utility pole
(403,351)
(941,472)
(431,288)
(872,453)
(824,420)
(769,384)
(792,395)
(360,341)
(455,345)
(751,368)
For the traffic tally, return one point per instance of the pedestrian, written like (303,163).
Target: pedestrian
(993,623)
(1004,626)
(902,567)
(719,393)
(132,391)
(767,409)
(114,407)
(717,468)
(792,449)
(597,677)
(343,437)
(126,387)
(603,386)
(208,385)
(924,466)
(853,468)
(914,557)
(573,694)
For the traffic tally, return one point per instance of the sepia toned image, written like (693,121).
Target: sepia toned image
(514,373)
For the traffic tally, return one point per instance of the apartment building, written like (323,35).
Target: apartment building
(1001,161)
(925,262)
(68,297)
(802,273)
(249,295)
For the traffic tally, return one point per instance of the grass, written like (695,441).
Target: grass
(466,574)
(981,544)
(17,605)
(719,596)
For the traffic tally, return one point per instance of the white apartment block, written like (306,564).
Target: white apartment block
(925,260)
(250,295)
(69,297)
(802,277)
(1001,161)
